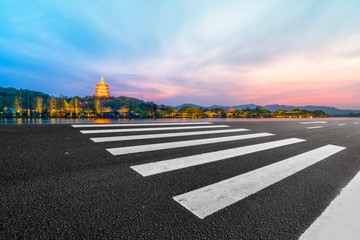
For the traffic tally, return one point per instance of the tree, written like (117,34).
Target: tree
(141,113)
(191,112)
(319,113)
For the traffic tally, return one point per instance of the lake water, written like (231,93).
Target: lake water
(75,121)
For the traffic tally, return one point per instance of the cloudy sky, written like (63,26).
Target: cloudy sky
(172,52)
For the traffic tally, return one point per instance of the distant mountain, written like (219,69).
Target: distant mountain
(187,105)
(241,107)
(238,107)
(332,111)
(217,106)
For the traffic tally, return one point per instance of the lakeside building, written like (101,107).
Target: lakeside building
(102,89)
(211,114)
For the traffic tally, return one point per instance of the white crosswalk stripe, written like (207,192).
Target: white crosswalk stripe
(162,146)
(314,127)
(149,129)
(166,135)
(210,199)
(184,162)
(138,124)
(313,122)
(340,220)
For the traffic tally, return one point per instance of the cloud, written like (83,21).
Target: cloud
(206,52)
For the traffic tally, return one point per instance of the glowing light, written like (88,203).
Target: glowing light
(102,121)
(102,89)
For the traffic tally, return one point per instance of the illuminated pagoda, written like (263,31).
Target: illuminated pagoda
(102,89)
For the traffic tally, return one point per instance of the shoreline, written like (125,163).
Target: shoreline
(107,120)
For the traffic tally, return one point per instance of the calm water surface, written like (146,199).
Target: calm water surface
(74,121)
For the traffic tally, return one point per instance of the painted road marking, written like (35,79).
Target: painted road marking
(162,146)
(341,124)
(165,135)
(356,123)
(210,199)
(149,129)
(314,127)
(184,162)
(313,122)
(341,219)
(138,124)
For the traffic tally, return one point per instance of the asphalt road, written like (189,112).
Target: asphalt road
(58,183)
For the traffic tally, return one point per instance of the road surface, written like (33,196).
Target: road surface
(193,180)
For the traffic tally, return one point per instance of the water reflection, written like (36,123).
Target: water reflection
(102,121)
(91,120)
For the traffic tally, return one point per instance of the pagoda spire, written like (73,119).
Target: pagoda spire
(102,89)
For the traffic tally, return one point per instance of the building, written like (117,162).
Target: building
(102,89)
(211,114)
(230,113)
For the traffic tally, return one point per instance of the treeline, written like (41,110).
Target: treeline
(258,112)
(353,115)
(25,103)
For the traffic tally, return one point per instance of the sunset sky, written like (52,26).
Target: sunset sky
(173,52)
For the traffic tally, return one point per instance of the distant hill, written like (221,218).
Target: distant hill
(332,111)
(11,92)
(238,107)
(187,105)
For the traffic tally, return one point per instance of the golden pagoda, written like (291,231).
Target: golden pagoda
(102,89)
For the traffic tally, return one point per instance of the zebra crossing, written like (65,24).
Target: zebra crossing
(314,122)
(321,122)
(201,201)
(165,135)
(149,129)
(178,163)
(210,199)
(314,127)
(181,144)
(340,220)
